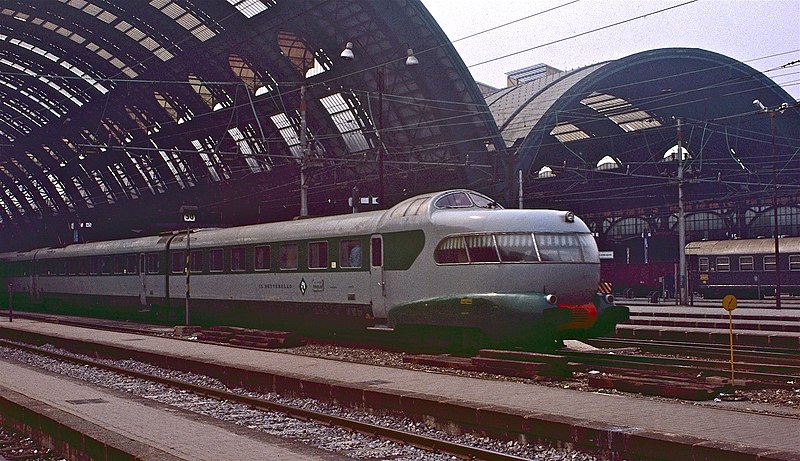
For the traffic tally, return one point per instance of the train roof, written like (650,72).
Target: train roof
(743,246)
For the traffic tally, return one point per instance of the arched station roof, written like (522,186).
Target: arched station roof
(601,140)
(118,112)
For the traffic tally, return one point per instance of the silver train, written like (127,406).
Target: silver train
(451,264)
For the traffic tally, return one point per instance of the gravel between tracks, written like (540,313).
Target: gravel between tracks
(333,439)
(788,399)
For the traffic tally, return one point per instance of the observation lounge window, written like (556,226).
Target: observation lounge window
(516,248)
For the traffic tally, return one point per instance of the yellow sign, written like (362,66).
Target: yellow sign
(729,303)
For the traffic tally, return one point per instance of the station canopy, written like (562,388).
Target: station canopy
(114,114)
(603,140)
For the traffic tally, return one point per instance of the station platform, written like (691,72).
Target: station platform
(113,425)
(634,426)
(752,326)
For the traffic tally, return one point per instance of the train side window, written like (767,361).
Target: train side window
(262,258)
(238,259)
(318,255)
(288,256)
(152,263)
(746,263)
(62,267)
(769,263)
(723,264)
(94,263)
(196,261)
(794,262)
(481,248)
(559,247)
(130,265)
(178,262)
(215,260)
(703,263)
(350,253)
(104,265)
(83,267)
(377,252)
(73,265)
(451,250)
(118,264)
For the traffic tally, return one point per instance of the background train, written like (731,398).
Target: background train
(744,268)
(449,264)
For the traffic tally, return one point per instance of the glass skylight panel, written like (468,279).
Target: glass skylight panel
(150,175)
(184,18)
(118,171)
(28,197)
(168,162)
(347,121)
(567,132)
(43,193)
(250,8)
(14,201)
(245,149)
(60,189)
(5,207)
(84,195)
(212,160)
(288,133)
(621,112)
(101,183)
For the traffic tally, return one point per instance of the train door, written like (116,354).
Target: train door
(377,281)
(142,281)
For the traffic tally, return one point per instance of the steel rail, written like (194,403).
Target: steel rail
(419,441)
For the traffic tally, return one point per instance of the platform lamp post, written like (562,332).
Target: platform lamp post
(411,60)
(189,214)
(776,227)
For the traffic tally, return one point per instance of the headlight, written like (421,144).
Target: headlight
(552,299)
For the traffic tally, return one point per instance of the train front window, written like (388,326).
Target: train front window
(559,247)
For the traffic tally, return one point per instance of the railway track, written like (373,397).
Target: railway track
(432,444)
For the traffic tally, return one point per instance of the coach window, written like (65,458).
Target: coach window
(238,259)
(746,263)
(769,263)
(178,262)
(350,253)
(288,256)
(196,263)
(118,264)
(703,264)
(261,258)
(62,267)
(152,263)
(94,262)
(215,260)
(794,262)
(83,267)
(130,265)
(723,264)
(318,255)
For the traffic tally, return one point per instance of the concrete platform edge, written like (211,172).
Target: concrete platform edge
(450,415)
(68,435)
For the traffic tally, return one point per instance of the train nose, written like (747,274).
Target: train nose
(580,316)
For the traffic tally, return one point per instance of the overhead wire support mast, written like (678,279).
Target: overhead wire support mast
(682,288)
